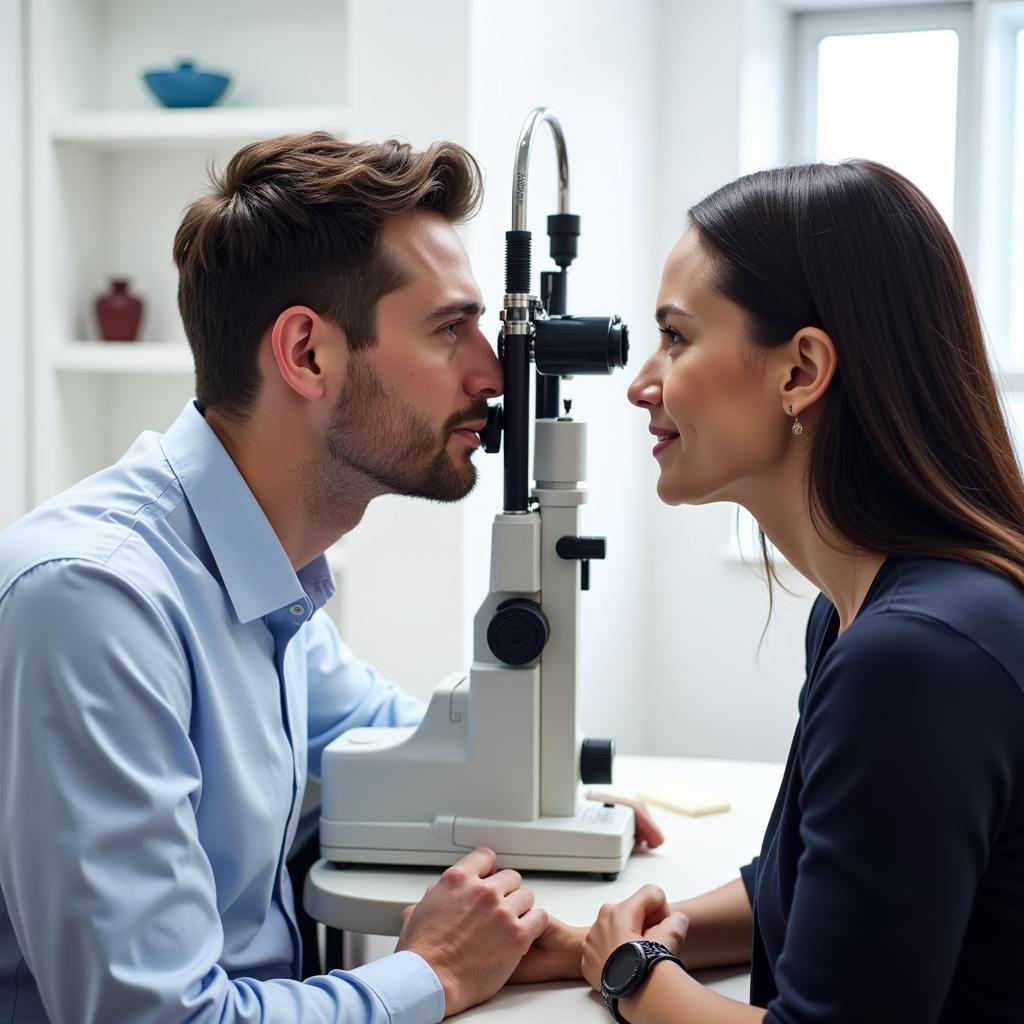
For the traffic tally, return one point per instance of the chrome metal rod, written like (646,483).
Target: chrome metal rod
(522,168)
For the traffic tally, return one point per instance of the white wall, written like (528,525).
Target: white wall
(13,283)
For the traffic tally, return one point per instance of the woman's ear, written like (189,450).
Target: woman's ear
(307,352)
(809,363)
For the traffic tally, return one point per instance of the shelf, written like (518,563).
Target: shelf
(152,357)
(116,130)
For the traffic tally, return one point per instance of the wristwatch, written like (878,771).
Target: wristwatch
(626,969)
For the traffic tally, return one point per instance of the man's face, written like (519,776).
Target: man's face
(412,403)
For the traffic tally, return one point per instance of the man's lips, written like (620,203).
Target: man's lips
(470,431)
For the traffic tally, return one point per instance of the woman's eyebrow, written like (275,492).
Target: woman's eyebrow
(664,312)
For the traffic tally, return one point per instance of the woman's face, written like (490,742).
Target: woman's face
(714,397)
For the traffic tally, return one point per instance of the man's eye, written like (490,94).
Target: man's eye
(451,328)
(673,337)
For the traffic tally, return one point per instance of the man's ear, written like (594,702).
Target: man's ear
(809,363)
(308,352)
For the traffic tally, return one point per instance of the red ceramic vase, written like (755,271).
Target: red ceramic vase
(119,313)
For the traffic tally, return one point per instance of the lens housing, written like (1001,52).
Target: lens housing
(570,345)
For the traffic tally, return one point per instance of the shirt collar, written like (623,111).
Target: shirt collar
(255,569)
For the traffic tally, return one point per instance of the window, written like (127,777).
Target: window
(892,86)
(902,114)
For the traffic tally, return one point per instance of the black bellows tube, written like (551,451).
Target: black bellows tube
(517,262)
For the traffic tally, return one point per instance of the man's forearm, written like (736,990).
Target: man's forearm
(721,927)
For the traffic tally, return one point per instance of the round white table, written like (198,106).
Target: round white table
(699,853)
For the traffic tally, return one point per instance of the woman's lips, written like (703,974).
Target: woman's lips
(665,437)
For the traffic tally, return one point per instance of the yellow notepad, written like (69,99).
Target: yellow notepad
(684,798)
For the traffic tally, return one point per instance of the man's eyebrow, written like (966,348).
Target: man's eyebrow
(664,312)
(457,308)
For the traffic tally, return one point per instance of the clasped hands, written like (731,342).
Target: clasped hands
(478,928)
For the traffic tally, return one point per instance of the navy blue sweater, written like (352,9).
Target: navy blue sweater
(890,886)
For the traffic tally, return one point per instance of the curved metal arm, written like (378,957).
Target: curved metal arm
(537,117)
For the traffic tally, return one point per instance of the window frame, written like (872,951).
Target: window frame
(996,114)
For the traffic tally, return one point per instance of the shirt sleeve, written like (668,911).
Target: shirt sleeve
(346,693)
(906,753)
(109,893)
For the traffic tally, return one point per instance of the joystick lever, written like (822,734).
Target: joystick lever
(584,549)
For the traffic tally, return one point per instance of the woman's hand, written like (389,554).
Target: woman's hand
(554,956)
(647,834)
(645,915)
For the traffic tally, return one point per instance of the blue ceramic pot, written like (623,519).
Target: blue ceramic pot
(186,87)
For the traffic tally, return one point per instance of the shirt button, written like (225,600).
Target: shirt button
(298,609)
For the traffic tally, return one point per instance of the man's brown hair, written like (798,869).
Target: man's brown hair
(296,221)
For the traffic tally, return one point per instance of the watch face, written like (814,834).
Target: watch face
(622,968)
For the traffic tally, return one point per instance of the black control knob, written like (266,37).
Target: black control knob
(581,547)
(596,758)
(518,631)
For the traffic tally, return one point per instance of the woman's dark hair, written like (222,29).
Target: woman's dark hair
(296,220)
(911,454)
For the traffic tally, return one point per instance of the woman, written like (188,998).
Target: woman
(822,364)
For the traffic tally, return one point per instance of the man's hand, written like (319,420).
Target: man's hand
(647,834)
(645,915)
(472,926)
(555,956)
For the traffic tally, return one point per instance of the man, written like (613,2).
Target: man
(167,678)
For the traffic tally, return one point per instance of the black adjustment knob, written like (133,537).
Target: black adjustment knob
(596,758)
(581,547)
(518,631)
(490,436)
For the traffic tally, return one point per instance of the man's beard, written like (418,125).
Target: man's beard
(392,445)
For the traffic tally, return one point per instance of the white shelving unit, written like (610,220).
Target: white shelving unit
(112,172)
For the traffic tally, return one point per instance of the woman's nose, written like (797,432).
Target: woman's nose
(645,391)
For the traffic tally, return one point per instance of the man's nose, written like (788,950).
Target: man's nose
(485,379)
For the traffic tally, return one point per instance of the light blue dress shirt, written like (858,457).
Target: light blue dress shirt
(166,683)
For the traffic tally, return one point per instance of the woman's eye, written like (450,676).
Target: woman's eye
(672,336)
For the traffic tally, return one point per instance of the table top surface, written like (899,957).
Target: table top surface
(699,854)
